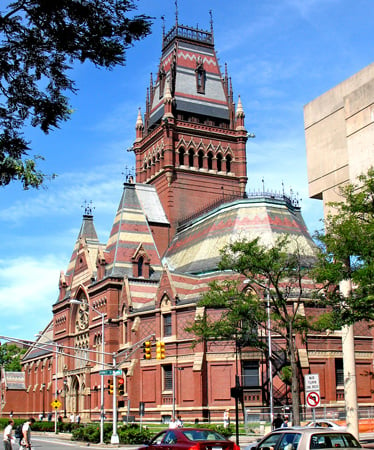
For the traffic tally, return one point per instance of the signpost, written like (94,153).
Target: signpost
(312,394)
(56,404)
(111,372)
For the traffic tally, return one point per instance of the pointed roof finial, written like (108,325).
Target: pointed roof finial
(239,108)
(167,91)
(176,13)
(163,27)
(211,21)
(139,120)
(88,208)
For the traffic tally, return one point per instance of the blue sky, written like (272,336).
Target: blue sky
(281,54)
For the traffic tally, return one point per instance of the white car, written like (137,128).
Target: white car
(323,423)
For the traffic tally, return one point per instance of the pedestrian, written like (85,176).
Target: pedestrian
(285,423)
(179,422)
(8,439)
(11,414)
(78,419)
(226,418)
(72,418)
(173,424)
(277,422)
(26,434)
(50,417)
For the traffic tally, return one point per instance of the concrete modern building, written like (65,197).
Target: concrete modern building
(339,133)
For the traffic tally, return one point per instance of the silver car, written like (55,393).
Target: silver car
(307,439)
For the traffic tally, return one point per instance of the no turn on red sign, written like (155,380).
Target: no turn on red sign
(312,394)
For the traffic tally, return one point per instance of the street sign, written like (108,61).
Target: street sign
(312,394)
(312,382)
(56,404)
(111,372)
(313,399)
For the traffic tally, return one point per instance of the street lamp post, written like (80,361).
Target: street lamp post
(43,388)
(270,352)
(65,386)
(102,315)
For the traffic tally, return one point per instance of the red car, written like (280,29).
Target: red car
(190,439)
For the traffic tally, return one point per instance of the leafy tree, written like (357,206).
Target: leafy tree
(40,42)
(10,357)
(347,252)
(275,279)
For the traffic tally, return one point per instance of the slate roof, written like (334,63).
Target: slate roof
(14,380)
(195,248)
(183,48)
(131,229)
(87,235)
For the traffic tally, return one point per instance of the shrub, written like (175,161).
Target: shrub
(133,434)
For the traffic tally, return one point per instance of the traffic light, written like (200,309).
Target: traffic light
(147,350)
(160,350)
(121,386)
(110,387)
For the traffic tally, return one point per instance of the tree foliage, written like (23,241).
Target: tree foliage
(40,42)
(10,357)
(347,252)
(275,278)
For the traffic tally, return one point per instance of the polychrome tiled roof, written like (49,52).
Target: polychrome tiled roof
(178,63)
(130,229)
(196,248)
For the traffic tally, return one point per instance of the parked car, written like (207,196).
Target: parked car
(326,424)
(189,439)
(306,438)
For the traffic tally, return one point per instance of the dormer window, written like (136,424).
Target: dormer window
(200,76)
(140,266)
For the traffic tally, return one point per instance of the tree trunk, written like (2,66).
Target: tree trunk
(295,381)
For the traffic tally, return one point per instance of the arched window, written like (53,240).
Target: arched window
(140,266)
(219,162)
(201,159)
(190,157)
(181,156)
(210,160)
(228,163)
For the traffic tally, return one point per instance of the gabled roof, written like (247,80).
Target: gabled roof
(131,228)
(42,345)
(88,244)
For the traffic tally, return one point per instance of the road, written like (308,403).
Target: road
(51,442)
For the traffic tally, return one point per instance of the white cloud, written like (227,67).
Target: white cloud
(28,289)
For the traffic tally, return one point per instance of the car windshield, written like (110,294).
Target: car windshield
(203,435)
(333,440)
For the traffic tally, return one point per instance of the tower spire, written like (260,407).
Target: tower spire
(211,24)
(176,14)
(139,126)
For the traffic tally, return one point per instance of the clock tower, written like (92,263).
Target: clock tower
(191,142)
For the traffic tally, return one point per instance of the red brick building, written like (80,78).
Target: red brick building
(188,201)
